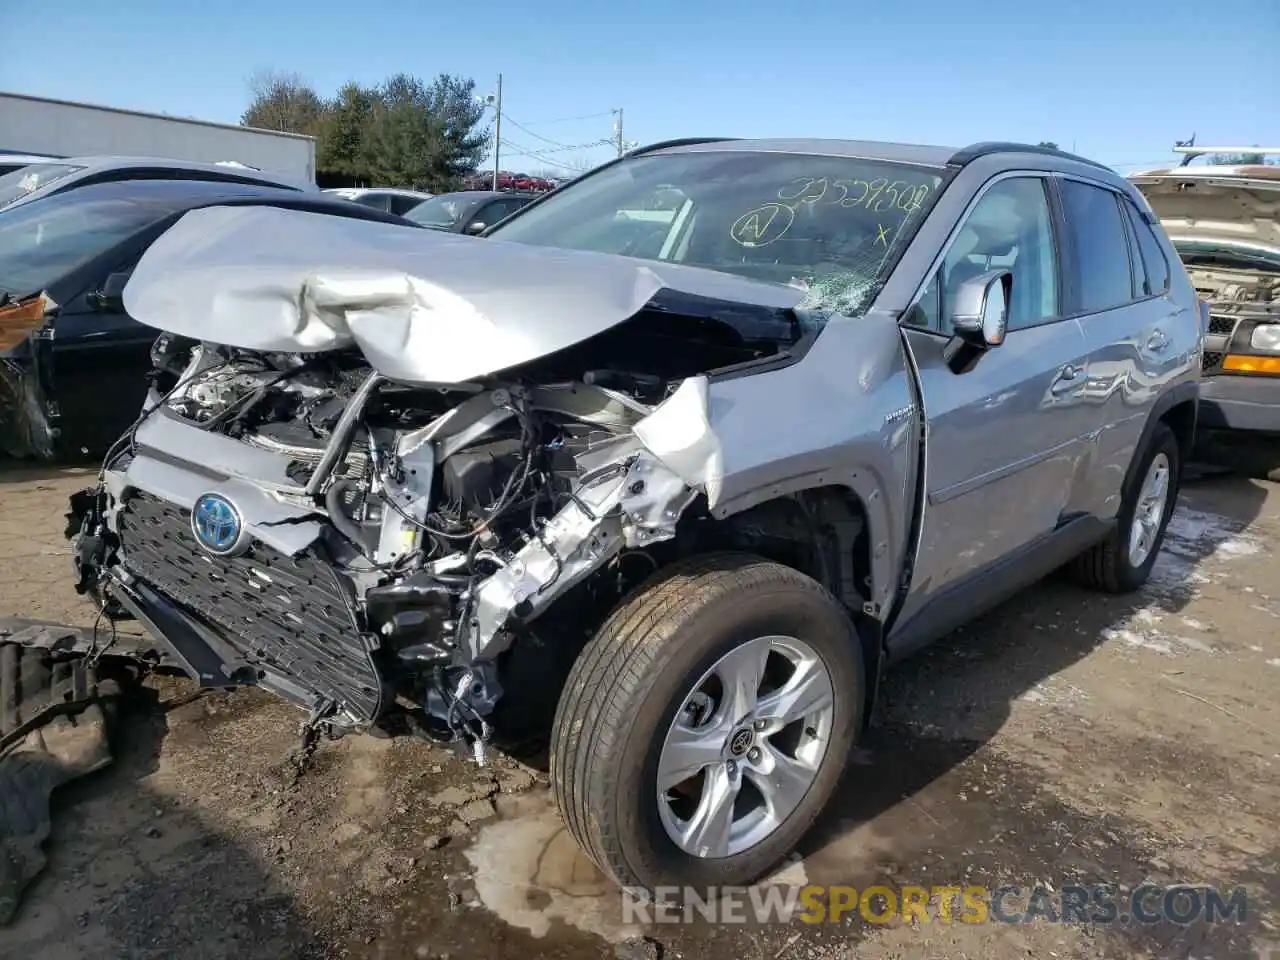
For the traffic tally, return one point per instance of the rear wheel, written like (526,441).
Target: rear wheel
(1123,562)
(706,725)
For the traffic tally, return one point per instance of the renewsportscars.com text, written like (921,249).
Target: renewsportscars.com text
(1182,904)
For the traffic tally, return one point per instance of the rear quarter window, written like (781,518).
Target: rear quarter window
(1154,264)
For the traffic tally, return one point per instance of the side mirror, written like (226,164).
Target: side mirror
(110,297)
(475,227)
(980,316)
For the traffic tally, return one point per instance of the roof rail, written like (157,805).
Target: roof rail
(1190,153)
(679,142)
(988,147)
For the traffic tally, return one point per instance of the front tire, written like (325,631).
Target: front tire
(1122,562)
(707,724)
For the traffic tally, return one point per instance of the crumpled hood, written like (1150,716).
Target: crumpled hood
(1232,205)
(422,306)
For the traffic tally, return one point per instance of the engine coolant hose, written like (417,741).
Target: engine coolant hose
(338,516)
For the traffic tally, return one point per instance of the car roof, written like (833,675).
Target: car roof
(98,161)
(913,153)
(366,191)
(485,194)
(94,163)
(26,158)
(196,193)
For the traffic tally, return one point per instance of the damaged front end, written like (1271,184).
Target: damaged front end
(375,547)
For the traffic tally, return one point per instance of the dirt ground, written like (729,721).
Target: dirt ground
(1066,738)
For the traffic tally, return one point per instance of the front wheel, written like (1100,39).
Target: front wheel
(706,725)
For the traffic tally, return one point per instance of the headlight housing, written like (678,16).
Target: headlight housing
(1266,337)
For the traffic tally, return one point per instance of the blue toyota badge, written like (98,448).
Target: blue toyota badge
(217,526)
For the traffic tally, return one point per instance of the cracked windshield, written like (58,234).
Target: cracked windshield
(831,226)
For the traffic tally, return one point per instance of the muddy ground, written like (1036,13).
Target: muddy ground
(1065,738)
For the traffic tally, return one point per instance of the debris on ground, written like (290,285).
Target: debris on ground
(53,729)
(638,948)
(476,811)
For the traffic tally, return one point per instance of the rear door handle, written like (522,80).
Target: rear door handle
(1157,342)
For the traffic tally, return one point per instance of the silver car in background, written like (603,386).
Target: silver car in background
(54,175)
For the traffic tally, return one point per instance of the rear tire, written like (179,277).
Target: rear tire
(626,714)
(1116,565)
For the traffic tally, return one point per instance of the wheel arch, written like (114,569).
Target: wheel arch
(1177,409)
(825,531)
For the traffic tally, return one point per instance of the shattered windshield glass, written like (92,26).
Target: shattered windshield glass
(25,180)
(832,226)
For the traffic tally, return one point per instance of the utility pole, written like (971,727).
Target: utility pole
(617,129)
(497,134)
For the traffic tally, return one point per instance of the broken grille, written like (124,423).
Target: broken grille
(286,614)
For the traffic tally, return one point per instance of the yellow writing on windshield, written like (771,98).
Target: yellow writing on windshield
(763,225)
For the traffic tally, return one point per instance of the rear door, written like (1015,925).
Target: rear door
(1118,284)
(1006,437)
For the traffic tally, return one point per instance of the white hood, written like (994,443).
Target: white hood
(423,306)
(1229,205)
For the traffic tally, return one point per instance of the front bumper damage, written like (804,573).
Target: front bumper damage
(330,662)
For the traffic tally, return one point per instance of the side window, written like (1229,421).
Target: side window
(376,200)
(1155,266)
(1099,246)
(1010,228)
(495,211)
(402,205)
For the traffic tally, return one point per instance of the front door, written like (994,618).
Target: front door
(1006,436)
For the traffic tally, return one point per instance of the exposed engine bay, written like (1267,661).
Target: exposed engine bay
(372,550)
(443,520)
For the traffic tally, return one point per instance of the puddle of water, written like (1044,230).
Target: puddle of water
(530,873)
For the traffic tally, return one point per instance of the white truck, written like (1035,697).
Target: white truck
(59,128)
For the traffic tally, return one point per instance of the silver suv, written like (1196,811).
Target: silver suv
(724,427)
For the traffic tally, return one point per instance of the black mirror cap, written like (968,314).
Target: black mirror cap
(980,316)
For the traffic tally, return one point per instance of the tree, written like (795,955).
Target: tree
(348,122)
(283,101)
(425,135)
(403,133)
(1048,144)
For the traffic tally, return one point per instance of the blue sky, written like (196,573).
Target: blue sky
(1121,80)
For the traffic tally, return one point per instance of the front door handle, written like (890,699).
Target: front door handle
(1157,342)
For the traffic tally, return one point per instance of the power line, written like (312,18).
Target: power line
(542,158)
(585,116)
(537,136)
(566,148)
